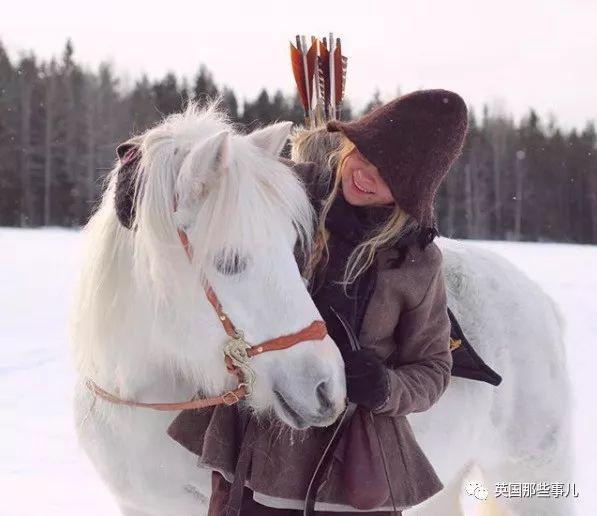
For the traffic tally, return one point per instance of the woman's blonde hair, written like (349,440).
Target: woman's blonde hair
(397,225)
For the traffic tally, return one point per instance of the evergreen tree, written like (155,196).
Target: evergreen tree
(373,103)
(27,82)
(296,112)
(230,104)
(142,106)
(258,112)
(204,87)
(10,188)
(168,97)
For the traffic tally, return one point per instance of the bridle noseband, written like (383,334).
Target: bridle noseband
(237,355)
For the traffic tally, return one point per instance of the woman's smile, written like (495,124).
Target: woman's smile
(361,182)
(359,185)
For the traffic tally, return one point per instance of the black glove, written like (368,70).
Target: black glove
(367,380)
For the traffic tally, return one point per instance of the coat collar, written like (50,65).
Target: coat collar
(354,223)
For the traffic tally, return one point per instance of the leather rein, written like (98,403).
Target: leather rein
(237,353)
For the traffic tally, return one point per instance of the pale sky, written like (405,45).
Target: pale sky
(518,53)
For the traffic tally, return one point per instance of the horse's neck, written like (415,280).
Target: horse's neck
(126,344)
(152,358)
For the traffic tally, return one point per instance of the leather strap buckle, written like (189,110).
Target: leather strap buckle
(227,401)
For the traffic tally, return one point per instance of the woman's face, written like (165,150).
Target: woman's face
(361,183)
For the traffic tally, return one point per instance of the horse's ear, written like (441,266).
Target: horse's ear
(200,170)
(123,149)
(206,161)
(128,150)
(124,196)
(221,144)
(271,138)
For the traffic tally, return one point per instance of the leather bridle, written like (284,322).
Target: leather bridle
(237,354)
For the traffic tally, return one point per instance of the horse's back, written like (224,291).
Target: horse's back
(518,329)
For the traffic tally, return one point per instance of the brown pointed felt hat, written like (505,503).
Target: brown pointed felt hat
(413,141)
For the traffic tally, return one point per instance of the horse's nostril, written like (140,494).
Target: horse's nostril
(323,395)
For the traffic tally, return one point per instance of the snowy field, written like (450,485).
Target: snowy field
(42,471)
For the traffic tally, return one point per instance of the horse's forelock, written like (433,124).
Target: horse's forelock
(257,199)
(258,195)
(176,132)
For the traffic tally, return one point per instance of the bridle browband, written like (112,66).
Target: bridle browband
(237,353)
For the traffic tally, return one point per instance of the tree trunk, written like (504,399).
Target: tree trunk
(49,137)
(26,94)
(593,207)
(451,200)
(91,144)
(71,149)
(519,171)
(498,145)
(468,201)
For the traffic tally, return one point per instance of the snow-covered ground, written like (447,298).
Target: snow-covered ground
(43,472)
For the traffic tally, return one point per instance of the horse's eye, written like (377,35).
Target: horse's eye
(230,263)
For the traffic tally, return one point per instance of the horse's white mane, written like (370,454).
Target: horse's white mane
(256,199)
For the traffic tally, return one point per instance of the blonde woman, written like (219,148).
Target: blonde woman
(375,263)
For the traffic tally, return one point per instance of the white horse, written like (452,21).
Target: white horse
(516,433)
(144,330)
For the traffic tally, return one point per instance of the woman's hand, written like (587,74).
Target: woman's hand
(367,381)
